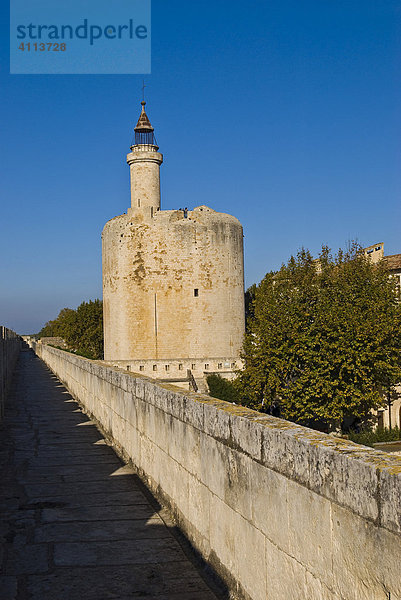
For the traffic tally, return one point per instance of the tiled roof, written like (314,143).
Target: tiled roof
(393,262)
(143,121)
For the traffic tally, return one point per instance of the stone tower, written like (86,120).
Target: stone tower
(173,280)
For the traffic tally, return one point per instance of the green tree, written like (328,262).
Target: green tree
(250,303)
(56,327)
(82,329)
(325,339)
(222,388)
(48,330)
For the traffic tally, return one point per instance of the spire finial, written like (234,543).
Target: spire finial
(143,92)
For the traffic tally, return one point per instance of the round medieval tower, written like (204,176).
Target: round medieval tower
(173,280)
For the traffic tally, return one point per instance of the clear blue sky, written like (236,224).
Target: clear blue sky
(283,113)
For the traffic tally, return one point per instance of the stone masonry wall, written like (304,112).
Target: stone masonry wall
(173,286)
(10,345)
(280,511)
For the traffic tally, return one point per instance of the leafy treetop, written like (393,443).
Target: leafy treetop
(323,340)
(82,329)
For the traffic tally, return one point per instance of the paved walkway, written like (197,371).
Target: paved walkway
(76,523)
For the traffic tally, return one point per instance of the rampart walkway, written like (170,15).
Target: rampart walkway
(76,523)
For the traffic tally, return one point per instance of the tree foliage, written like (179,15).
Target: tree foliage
(82,329)
(324,342)
(250,303)
(222,388)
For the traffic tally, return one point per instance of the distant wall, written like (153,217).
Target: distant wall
(53,341)
(280,511)
(10,345)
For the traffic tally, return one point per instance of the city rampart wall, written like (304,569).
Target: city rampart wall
(280,511)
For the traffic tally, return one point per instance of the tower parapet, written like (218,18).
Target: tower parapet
(144,161)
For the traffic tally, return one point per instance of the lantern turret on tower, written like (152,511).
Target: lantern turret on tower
(144,132)
(144,161)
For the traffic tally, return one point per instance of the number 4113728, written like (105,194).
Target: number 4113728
(42,47)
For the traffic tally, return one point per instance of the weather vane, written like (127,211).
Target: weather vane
(143,90)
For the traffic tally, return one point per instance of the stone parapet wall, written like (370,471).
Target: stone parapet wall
(177,367)
(10,346)
(280,511)
(53,341)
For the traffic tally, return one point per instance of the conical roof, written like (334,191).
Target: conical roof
(143,121)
